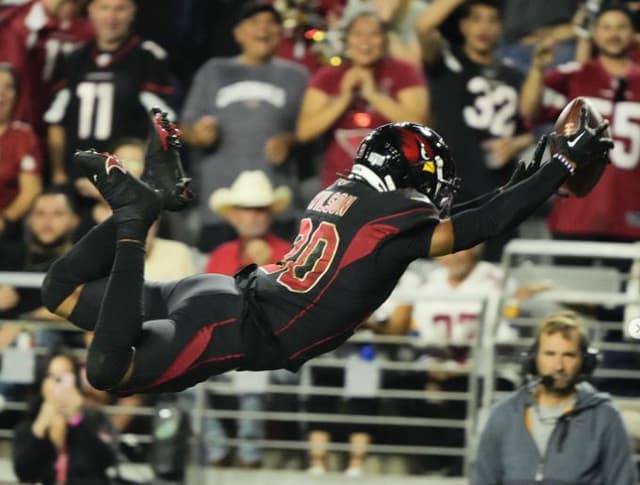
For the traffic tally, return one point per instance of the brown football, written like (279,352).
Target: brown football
(587,174)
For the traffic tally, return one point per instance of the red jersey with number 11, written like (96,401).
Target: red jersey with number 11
(353,245)
(613,207)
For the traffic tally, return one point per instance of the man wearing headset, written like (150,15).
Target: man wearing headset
(558,429)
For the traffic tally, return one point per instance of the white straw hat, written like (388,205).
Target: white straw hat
(252,188)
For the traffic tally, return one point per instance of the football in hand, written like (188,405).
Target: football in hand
(588,172)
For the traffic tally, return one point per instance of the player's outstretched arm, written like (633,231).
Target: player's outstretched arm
(522,171)
(502,213)
(510,207)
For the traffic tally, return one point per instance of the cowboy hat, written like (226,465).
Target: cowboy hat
(252,188)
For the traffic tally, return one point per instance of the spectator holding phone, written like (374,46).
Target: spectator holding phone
(61,441)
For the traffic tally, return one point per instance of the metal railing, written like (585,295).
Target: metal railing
(481,371)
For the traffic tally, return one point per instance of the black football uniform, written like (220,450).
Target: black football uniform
(354,244)
(473,103)
(105,96)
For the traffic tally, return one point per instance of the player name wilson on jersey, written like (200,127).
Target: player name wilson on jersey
(333,203)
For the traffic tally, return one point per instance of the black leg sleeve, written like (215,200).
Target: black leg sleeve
(90,259)
(509,208)
(120,318)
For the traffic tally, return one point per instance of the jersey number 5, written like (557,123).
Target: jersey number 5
(310,257)
(625,128)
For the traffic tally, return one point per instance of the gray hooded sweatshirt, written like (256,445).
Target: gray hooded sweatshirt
(589,445)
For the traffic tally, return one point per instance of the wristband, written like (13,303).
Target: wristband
(565,162)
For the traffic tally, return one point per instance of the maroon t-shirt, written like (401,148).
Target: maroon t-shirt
(19,153)
(226,258)
(33,41)
(391,76)
(613,207)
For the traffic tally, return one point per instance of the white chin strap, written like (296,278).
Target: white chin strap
(370,177)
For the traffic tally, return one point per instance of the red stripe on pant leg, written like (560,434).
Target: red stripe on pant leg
(219,358)
(188,354)
(194,366)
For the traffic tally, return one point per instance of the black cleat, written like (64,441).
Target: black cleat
(130,199)
(162,167)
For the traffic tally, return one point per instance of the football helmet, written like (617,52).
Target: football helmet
(408,155)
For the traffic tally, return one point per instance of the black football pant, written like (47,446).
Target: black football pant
(182,332)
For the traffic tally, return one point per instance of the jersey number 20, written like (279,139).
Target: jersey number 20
(309,258)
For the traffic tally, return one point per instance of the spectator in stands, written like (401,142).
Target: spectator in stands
(250,205)
(34,35)
(108,87)
(399,18)
(50,226)
(558,429)
(240,114)
(346,102)
(475,99)
(611,81)
(62,441)
(49,231)
(526,24)
(20,160)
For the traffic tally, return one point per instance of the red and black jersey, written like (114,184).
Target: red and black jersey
(613,207)
(353,245)
(106,96)
(33,41)
(19,154)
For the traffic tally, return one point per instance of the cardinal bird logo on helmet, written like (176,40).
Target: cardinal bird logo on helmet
(416,151)
(412,147)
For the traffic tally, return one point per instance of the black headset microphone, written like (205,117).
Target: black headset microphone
(546,380)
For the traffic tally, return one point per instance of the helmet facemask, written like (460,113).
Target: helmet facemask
(445,190)
(437,186)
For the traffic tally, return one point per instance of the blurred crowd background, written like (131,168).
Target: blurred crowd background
(273,99)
